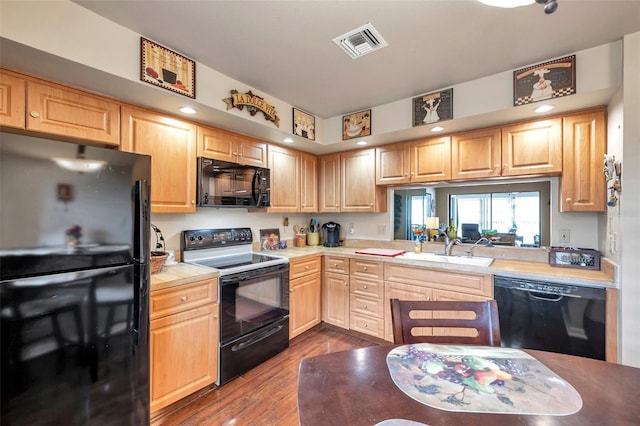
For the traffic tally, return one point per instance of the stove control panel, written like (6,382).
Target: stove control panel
(198,239)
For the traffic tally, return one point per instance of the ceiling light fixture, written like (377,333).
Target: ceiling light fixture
(80,163)
(437,129)
(550,6)
(288,140)
(362,142)
(507,3)
(544,108)
(187,110)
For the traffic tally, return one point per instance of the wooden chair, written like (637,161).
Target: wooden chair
(407,315)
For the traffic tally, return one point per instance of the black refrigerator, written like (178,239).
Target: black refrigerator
(74,283)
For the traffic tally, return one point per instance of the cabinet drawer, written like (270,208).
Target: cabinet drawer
(181,298)
(300,268)
(366,268)
(366,306)
(364,287)
(339,265)
(366,324)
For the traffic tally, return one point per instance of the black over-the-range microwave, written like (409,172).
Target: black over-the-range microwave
(225,184)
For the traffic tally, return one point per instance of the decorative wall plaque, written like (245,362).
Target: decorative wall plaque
(544,81)
(254,104)
(167,69)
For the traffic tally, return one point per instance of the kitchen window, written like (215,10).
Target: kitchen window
(515,213)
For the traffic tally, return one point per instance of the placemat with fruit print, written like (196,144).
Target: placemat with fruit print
(480,379)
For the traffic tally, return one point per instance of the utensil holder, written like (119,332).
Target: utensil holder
(313,239)
(301,240)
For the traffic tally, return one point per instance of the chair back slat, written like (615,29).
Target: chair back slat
(447,329)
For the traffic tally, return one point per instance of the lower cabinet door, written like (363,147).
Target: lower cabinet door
(184,354)
(304,304)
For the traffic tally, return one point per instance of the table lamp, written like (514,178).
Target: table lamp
(432,224)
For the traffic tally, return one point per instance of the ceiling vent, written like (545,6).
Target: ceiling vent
(360,41)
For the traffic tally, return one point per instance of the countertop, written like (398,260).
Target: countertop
(505,267)
(183,273)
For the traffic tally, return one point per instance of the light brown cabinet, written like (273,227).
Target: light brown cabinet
(172,146)
(305,300)
(476,154)
(532,147)
(285,179)
(308,183)
(431,159)
(366,297)
(183,341)
(415,283)
(393,165)
(582,186)
(335,291)
(358,192)
(13,101)
(233,147)
(329,184)
(62,111)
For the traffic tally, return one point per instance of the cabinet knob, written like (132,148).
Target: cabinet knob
(34,114)
(497,166)
(364,306)
(183,298)
(364,287)
(568,200)
(336,205)
(335,265)
(346,284)
(366,325)
(306,267)
(504,167)
(193,201)
(364,269)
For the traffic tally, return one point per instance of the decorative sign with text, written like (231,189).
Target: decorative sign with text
(253,103)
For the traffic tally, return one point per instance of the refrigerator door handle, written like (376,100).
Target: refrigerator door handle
(142,220)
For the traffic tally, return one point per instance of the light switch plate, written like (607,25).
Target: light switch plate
(565,236)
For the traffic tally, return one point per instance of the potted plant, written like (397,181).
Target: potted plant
(159,255)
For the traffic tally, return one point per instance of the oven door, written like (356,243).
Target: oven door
(253,299)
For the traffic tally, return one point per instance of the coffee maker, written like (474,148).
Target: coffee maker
(331,234)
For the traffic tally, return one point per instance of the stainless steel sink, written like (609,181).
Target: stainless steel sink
(457,260)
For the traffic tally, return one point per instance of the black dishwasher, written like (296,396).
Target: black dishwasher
(552,317)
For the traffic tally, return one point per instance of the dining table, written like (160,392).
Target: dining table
(362,387)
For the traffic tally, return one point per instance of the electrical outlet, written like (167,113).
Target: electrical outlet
(565,236)
(351,229)
(382,229)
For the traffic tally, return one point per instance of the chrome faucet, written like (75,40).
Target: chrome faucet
(449,243)
(470,252)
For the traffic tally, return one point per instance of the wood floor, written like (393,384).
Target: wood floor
(266,395)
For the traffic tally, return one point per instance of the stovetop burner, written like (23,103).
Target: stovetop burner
(228,250)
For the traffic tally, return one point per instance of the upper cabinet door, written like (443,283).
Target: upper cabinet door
(12,100)
(358,177)
(217,144)
(308,183)
(58,110)
(392,164)
(532,148)
(233,147)
(285,179)
(431,160)
(583,186)
(172,146)
(476,154)
(329,187)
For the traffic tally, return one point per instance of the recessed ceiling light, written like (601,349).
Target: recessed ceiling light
(437,129)
(288,140)
(187,110)
(507,3)
(544,108)
(362,142)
